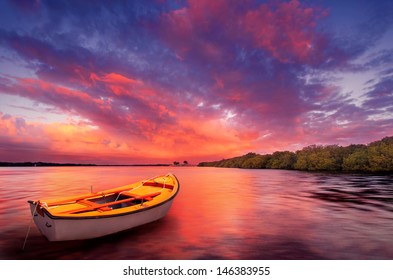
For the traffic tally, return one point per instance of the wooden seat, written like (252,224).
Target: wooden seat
(88,203)
(95,206)
(140,196)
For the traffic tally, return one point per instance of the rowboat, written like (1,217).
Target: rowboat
(97,214)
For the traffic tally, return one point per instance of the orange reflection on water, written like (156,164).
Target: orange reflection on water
(228,211)
(218,214)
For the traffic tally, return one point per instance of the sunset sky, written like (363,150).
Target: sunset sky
(126,82)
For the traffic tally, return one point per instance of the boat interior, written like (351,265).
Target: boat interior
(108,202)
(114,198)
(113,201)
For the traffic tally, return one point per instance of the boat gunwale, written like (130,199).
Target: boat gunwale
(107,216)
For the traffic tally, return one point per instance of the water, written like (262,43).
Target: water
(218,214)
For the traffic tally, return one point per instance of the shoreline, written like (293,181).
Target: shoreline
(50,164)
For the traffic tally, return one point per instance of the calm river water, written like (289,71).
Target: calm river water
(218,214)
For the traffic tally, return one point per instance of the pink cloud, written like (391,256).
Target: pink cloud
(156,127)
(188,29)
(287,30)
(115,78)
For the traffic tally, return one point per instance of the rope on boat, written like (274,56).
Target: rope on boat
(163,185)
(31,220)
(143,182)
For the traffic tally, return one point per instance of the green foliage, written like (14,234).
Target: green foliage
(315,158)
(380,155)
(250,160)
(236,162)
(355,158)
(282,160)
(357,161)
(256,162)
(375,157)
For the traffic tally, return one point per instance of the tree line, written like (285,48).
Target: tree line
(374,157)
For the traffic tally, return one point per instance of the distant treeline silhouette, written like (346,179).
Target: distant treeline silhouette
(16,164)
(29,163)
(374,157)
